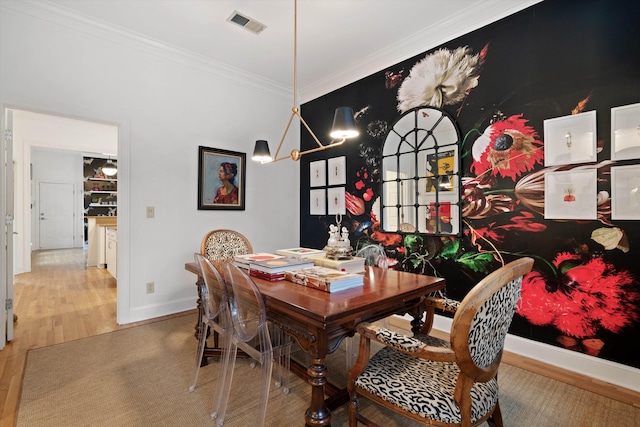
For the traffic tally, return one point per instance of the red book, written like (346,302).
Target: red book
(266,276)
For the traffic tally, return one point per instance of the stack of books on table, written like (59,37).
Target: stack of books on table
(325,279)
(353,265)
(300,252)
(274,269)
(243,261)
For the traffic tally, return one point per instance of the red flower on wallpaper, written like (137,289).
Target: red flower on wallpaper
(508,147)
(385,239)
(524,221)
(587,297)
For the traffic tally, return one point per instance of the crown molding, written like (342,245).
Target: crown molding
(55,14)
(477,15)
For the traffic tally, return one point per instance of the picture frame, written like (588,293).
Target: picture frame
(317,202)
(318,173)
(625,132)
(571,195)
(337,170)
(570,139)
(215,190)
(625,192)
(336,203)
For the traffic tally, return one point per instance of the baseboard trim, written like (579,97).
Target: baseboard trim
(152,311)
(606,378)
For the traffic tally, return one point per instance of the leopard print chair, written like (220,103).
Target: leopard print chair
(222,245)
(437,382)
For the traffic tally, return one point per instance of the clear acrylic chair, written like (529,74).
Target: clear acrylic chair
(374,256)
(250,333)
(215,311)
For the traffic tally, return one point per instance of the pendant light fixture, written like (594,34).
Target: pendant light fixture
(109,168)
(343,121)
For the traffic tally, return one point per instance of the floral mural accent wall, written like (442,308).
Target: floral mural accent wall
(584,291)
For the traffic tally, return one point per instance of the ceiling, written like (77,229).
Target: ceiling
(339,41)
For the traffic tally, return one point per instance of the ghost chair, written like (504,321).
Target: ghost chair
(222,245)
(215,314)
(375,256)
(250,333)
(435,382)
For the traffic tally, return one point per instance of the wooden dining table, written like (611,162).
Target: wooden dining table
(318,321)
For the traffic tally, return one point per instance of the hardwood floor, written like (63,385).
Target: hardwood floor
(63,300)
(60,300)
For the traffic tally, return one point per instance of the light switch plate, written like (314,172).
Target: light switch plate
(150,212)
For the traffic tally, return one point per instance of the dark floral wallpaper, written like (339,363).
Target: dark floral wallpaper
(554,59)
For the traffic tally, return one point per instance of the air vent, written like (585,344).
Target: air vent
(246,22)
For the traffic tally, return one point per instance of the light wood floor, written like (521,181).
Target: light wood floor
(63,300)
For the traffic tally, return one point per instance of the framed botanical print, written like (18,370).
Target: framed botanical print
(570,139)
(625,192)
(625,132)
(570,194)
(221,179)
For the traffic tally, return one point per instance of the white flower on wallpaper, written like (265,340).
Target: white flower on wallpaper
(443,77)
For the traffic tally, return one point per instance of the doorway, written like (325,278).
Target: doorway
(50,211)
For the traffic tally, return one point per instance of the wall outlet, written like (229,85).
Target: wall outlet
(151,287)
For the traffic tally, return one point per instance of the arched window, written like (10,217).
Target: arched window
(421,174)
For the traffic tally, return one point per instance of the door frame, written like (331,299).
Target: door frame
(123,124)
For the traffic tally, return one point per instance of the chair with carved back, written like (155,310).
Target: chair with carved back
(438,382)
(222,245)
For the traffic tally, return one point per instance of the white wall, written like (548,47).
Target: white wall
(165,106)
(57,166)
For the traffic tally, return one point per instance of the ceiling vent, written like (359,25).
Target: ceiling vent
(245,22)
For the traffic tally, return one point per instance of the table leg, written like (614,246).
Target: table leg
(317,414)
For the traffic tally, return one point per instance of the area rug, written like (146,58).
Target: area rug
(140,377)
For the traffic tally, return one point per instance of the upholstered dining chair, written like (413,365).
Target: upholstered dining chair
(250,333)
(436,382)
(222,245)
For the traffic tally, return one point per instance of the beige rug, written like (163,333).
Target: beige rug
(139,377)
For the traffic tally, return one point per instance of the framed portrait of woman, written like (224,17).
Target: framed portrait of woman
(221,179)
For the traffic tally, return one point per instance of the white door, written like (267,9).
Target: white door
(55,216)
(6,242)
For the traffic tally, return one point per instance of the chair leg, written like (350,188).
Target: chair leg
(495,420)
(225,376)
(265,383)
(204,327)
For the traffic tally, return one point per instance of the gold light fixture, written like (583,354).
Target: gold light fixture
(343,121)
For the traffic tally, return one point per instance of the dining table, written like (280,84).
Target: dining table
(319,321)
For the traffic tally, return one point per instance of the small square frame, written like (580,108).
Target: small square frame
(570,139)
(570,194)
(336,201)
(210,161)
(337,170)
(317,202)
(318,173)
(625,192)
(625,132)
